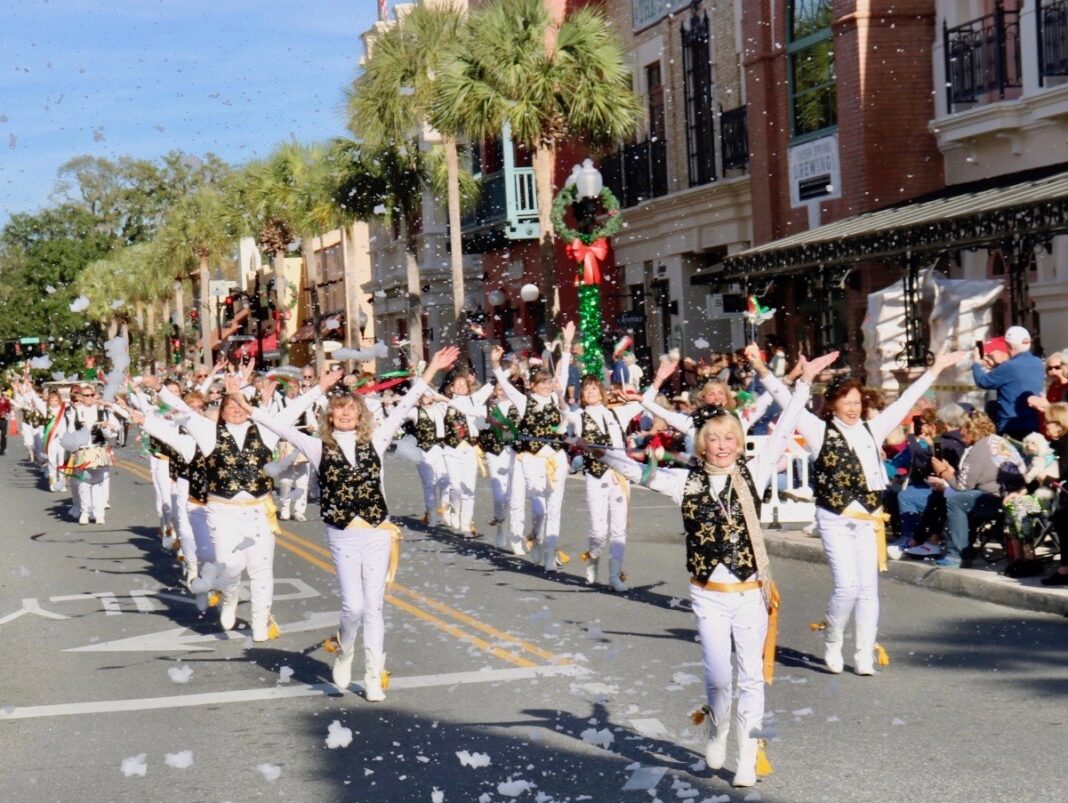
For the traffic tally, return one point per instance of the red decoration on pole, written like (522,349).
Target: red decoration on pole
(590,256)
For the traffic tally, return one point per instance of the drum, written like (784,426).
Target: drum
(94,457)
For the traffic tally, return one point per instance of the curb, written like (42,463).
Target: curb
(985,585)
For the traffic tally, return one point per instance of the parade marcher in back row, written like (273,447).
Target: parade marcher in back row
(495,439)
(730,575)
(348,460)
(460,446)
(607,491)
(240,509)
(92,429)
(849,479)
(541,464)
(293,480)
(426,421)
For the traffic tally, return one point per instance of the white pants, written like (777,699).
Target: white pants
(293,489)
(499,467)
(92,491)
(434,478)
(461,468)
(56,456)
(205,546)
(180,518)
(530,477)
(852,555)
(161,484)
(361,558)
(243,543)
(743,617)
(29,435)
(606,501)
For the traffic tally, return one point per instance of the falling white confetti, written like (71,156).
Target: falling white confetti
(380,209)
(473,760)
(833,718)
(511,788)
(897,721)
(337,735)
(700,343)
(437,796)
(117,303)
(406,91)
(284,674)
(180,761)
(49,289)
(602,737)
(80,304)
(270,772)
(135,765)
(42,363)
(180,674)
(684,679)
(802,712)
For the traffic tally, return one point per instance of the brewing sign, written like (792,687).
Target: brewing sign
(815,174)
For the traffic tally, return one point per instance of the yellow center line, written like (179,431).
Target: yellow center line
(284,541)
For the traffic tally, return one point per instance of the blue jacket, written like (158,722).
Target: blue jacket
(1014,380)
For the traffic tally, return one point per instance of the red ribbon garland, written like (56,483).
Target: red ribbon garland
(590,256)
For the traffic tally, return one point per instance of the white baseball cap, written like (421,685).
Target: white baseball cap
(1017,336)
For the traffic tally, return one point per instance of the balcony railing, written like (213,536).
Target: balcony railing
(982,57)
(734,139)
(1053,39)
(638,172)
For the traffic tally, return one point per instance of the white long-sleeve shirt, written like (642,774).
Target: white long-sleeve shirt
(312,447)
(672,481)
(610,420)
(519,399)
(683,422)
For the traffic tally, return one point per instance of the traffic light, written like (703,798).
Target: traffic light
(228,309)
(194,320)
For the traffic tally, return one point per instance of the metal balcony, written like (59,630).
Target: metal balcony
(982,58)
(638,172)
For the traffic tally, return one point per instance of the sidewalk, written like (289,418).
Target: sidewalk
(980,582)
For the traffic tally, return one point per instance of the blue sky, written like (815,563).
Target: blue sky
(142,77)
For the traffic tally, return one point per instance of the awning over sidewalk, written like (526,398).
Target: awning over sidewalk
(1036,209)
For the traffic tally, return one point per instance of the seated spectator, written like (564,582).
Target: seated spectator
(1015,380)
(921,445)
(1057,432)
(975,486)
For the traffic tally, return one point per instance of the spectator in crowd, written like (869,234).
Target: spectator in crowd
(921,445)
(1016,379)
(634,373)
(574,373)
(6,412)
(1057,432)
(1057,374)
(975,487)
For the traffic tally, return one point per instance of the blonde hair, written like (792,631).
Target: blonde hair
(978,425)
(730,404)
(364,420)
(1058,414)
(719,423)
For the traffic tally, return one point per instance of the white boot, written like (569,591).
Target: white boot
(746,775)
(228,610)
(535,552)
(548,554)
(342,672)
(832,651)
(189,571)
(716,746)
(615,577)
(261,618)
(501,540)
(592,566)
(864,657)
(372,677)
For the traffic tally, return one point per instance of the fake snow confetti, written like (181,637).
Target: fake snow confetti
(644,779)
(284,674)
(380,209)
(135,765)
(514,788)
(180,761)
(602,737)
(437,796)
(116,303)
(42,363)
(802,712)
(337,735)
(700,343)
(473,760)
(270,772)
(684,679)
(180,674)
(49,289)
(80,304)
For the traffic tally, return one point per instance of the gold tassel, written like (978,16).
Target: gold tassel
(530,542)
(426,519)
(333,644)
(816,627)
(882,657)
(562,557)
(698,716)
(214,598)
(386,675)
(763,766)
(585,557)
(622,577)
(273,630)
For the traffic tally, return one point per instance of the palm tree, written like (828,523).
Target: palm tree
(550,80)
(393,98)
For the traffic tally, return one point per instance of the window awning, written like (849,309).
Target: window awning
(1037,208)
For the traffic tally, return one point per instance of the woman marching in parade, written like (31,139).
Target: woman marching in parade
(89,429)
(495,439)
(607,491)
(461,446)
(426,421)
(849,479)
(540,469)
(363,542)
(730,576)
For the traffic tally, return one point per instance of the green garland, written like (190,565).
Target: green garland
(566,197)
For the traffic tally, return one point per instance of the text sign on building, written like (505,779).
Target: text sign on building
(646,12)
(814,171)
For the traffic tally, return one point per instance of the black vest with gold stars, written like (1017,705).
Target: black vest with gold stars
(33,418)
(539,424)
(426,430)
(348,490)
(457,430)
(714,537)
(838,477)
(496,434)
(232,470)
(195,471)
(591,433)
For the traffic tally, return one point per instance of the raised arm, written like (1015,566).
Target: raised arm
(887,419)
(441,361)
(510,390)
(166,431)
(668,481)
(676,420)
(565,358)
(475,403)
(811,426)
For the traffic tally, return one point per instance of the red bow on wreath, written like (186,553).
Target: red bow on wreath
(590,256)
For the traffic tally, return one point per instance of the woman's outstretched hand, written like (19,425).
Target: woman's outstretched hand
(810,369)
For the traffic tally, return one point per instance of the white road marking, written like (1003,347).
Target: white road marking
(142,599)
(107,600)
(31,605)
(285,692)
(181,639)
(644,779)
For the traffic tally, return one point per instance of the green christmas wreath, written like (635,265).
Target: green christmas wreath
(566,197)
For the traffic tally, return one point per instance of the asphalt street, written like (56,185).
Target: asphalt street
(508,684)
